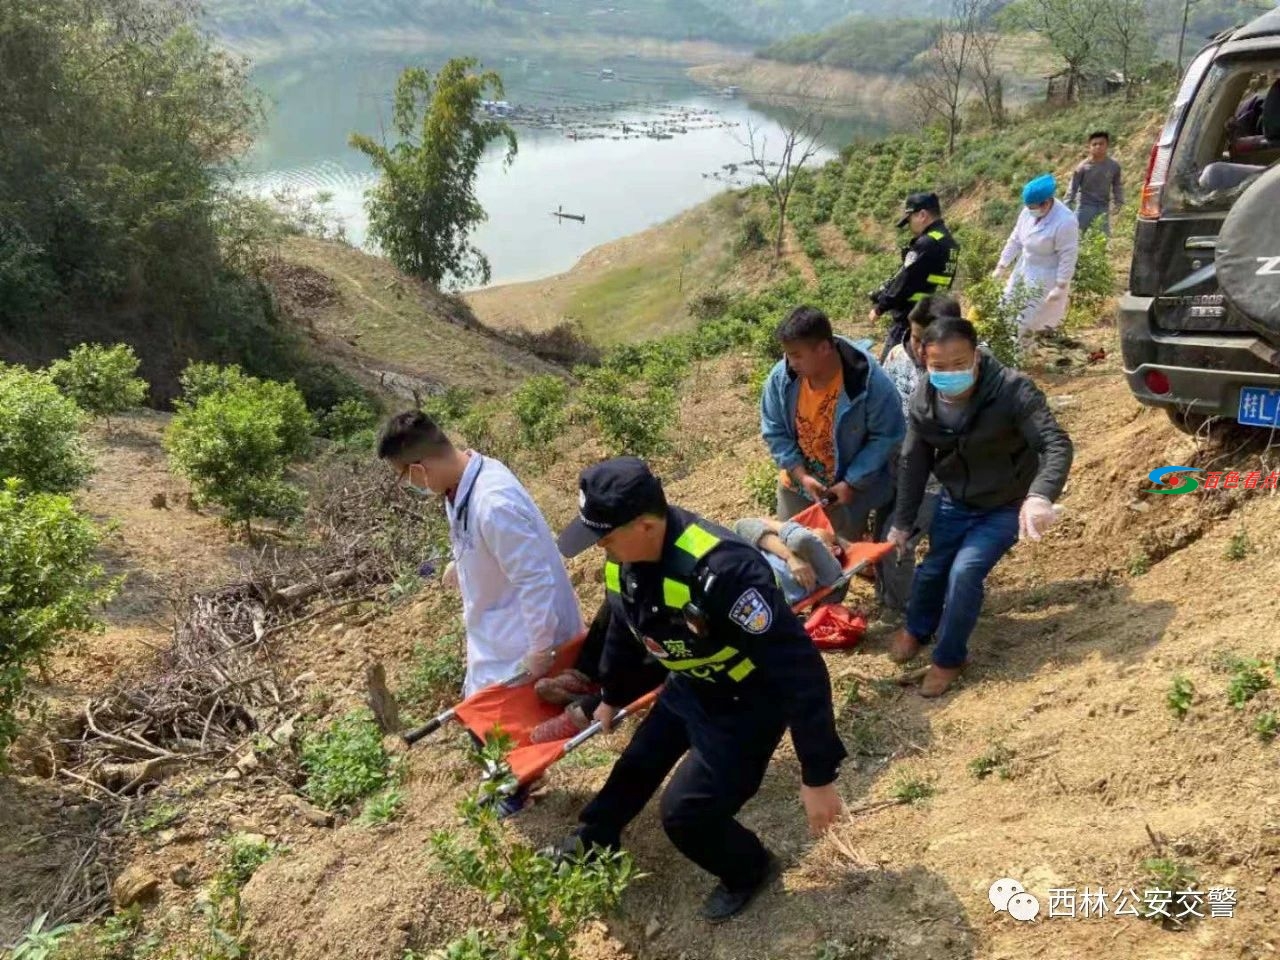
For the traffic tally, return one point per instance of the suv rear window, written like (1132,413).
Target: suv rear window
(1221,150)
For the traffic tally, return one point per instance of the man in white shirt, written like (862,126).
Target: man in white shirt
(517,602)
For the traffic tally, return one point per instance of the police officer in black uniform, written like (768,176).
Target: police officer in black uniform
(741,670)
(929,264)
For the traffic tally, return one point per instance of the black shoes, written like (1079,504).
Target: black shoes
(724,903)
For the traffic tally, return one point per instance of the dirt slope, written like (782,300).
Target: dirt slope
(1072,663)
(399,334)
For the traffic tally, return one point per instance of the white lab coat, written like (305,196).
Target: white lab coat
(516,595)
(1046,250)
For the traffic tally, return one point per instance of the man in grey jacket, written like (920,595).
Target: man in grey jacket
(1095,183)
(988,436)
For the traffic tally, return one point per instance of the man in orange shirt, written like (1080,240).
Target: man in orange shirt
(832,420)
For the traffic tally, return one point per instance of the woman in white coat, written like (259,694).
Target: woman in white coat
(1045,243)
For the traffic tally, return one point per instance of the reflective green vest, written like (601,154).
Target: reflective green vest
(678,586)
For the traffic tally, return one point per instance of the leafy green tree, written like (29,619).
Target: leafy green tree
(235,443)
(101,380)
(424,206)
(49,587)
(39,433)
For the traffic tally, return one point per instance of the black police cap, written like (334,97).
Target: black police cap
(917,202)
(610,495)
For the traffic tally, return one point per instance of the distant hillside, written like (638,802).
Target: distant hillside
(659,19)
(859,43)
(745,22)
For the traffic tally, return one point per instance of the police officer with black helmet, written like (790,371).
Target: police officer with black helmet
(741,670)
(929,264)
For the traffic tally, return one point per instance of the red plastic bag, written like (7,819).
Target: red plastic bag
(833,627)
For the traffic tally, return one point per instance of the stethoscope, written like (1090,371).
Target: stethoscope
(461,513)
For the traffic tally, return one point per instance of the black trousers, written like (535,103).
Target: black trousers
(726,754)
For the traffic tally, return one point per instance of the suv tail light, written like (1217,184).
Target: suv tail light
(1162,152)
(1153,185)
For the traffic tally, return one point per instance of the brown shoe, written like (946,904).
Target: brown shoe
(937,680)
(904,647)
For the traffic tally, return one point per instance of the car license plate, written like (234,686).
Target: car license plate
(1259,407)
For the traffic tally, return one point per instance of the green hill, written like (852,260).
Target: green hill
(858,43)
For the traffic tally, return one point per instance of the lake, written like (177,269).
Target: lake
(626,150)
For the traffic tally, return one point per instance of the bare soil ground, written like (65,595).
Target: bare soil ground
(630,289)
(1073,661)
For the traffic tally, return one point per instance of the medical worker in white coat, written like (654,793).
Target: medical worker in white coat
(517,602)
(1045,243)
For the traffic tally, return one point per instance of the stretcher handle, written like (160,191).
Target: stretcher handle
(438,721)
(641,704)
(430,727)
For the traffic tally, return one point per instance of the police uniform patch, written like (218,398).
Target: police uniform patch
(752,612)
(911,258)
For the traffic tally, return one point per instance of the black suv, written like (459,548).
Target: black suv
(1200,324)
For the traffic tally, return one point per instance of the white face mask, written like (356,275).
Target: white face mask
(421,491)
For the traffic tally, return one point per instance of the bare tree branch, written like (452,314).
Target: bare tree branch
(800,144)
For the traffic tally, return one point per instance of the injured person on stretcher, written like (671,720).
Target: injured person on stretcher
(804,559)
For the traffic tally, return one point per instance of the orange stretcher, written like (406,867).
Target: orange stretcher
(516,709)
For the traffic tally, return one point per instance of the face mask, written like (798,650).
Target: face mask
(951,383)
(415,488)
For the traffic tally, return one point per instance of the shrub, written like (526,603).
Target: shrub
(1247,681)
(351,422)
(450,407)
(49,586)
(996,316)
(539,406)
(751,235)
(199,380)
(1094,279)
(345,762)
(550,901)
(1181,695)
(631,422)
(762,483)
(382,808)
(234,444)
(438,672)
(101,380)
(39,433)
(37,943)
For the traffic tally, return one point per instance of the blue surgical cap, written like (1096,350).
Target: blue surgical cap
(1040,189)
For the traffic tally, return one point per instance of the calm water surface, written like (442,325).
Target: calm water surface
(626,152)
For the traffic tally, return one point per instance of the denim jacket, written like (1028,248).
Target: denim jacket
(869,426)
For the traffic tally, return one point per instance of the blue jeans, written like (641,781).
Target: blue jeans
(946,597)
(1088,213)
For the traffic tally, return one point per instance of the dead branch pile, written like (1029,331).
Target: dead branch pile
(219,688)
(365,531)
(215,692)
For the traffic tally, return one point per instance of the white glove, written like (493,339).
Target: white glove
(450,576)
(537,664)
(1036,516)
(1055,294)
(899,537)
